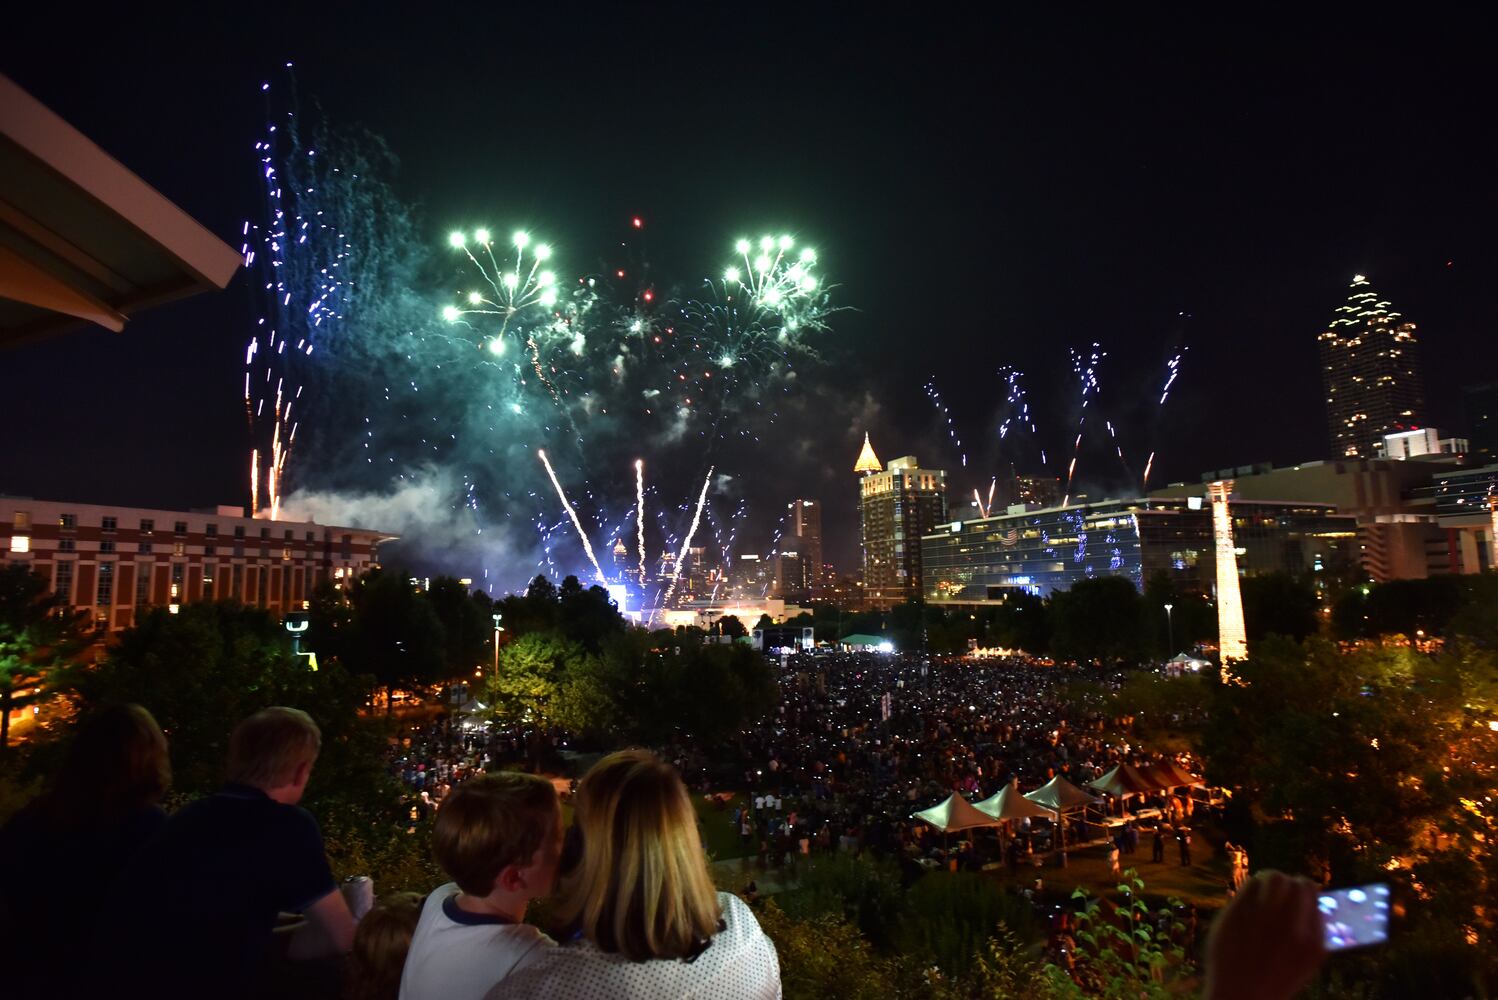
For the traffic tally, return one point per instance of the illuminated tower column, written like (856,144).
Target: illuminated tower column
(1493,537)
(1232,640)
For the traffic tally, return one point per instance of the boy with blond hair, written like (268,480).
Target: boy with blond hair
(499,837)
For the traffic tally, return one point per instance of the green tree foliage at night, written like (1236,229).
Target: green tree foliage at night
(394,636)
(1409,607)
(521,691)
(1375,764)
(1099,619)
(1279,604)
(1192,619)
(587,617)
(467,625)
(38,637)
(201,671)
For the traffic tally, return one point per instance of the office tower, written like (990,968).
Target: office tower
(1370,372)
(897,506)
(803,534)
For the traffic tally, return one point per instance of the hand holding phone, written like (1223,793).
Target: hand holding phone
(1268,941)
(1355,917)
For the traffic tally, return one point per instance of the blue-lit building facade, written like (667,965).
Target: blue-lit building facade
(1040,551)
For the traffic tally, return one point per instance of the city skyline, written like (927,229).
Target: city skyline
(1247,294)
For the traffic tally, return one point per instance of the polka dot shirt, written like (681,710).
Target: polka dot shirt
(741,964)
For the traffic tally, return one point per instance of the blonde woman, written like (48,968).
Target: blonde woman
(649,921)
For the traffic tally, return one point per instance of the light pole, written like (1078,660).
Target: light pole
(1170,636)
(498,628)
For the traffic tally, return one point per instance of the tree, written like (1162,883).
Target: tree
(1279,604)
(587,617)
(395,636)
(37,637)
(521,691)
(203,670)
(1098,619)
(1373,764)
(730,626)
(1192,619)
(329,621)
(466,624)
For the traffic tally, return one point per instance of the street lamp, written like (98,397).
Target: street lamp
(1170,635)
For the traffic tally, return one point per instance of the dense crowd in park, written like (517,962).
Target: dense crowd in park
(169,882)
(860,741)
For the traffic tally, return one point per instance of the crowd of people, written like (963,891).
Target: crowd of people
(213,899)
(860,742)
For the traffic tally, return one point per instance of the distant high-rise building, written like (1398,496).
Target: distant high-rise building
(621,564)
(790,574)
(1032,491)
(803,535)
(1481,403)
(897,506)
(1370,372)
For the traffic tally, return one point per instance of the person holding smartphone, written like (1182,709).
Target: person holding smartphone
(1268,942)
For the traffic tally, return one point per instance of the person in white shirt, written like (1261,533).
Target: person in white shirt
(643,903)
(500,839)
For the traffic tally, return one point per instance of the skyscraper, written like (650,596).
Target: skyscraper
(896,506)
(803,532)
(1371,374)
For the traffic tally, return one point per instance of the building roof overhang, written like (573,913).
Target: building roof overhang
(81,237)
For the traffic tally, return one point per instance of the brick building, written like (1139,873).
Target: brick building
(109,561)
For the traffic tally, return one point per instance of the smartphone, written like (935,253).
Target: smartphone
(1355,917)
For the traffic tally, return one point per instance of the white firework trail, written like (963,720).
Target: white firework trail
(587,545)
(686,543)
(640,514)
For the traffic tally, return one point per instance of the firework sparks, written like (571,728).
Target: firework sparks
(1172,372)
(576,523)
(526,287)
(776,277)
(640,514)
(686,543)
(1085,368)
(941,407)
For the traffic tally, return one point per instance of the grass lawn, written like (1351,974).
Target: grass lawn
(1203,884)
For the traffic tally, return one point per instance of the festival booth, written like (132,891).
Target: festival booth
(1123,783)
(1171,778)
(1008,804)
(1182,664)
(1169,775)
(1063,798)
(954,815)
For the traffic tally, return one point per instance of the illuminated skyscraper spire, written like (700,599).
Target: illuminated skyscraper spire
(1370,373)
(867,460)
(1232,641)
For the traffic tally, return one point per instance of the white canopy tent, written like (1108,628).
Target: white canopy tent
(1060,795)
(1007,803)
(954,814)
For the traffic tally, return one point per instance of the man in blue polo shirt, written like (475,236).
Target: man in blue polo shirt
(193,914)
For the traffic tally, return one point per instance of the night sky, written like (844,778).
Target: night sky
(986,191)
